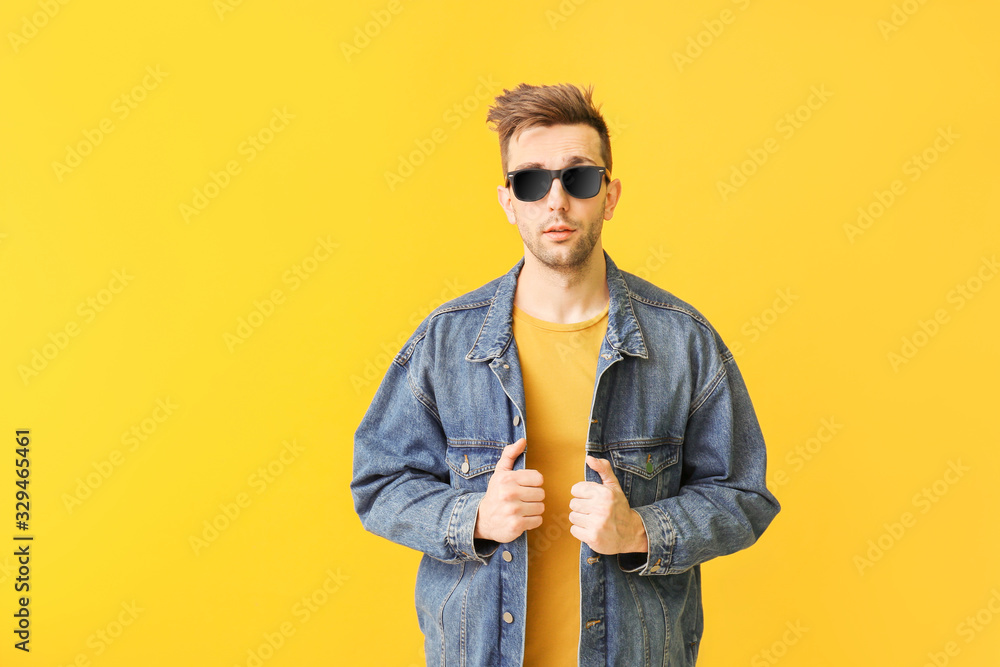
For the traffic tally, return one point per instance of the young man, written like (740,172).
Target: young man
(567,443)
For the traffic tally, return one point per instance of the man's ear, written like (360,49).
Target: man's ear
(503,196)
(613,195)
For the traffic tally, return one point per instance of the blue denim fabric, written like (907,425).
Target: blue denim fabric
(670,411)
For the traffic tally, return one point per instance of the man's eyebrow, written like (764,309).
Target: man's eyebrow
(572,160)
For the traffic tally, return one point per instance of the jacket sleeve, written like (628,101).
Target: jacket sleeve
(401,478)
(723,505)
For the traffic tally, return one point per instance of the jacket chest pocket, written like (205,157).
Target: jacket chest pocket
(648,470)
(471,461)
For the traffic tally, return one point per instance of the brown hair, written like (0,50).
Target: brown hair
(543,106)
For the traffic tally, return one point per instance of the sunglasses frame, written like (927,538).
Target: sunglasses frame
(553,175)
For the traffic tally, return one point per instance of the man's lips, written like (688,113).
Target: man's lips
(559,235)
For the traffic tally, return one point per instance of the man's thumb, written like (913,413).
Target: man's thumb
(510,454)
(603,468)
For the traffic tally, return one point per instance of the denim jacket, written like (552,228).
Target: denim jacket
(670,411)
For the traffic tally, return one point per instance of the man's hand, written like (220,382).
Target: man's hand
(513,500)
(601,516)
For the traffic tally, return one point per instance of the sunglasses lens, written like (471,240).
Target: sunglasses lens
(531,184)
(582,182)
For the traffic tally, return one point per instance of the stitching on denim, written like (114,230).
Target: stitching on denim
(461,306)
(642,616)
(403,356)
(713,385)
(669,306)
(637,443)
(491,301)
(451,534)
(671,534)
(465,605)
(478,470)
(473,442)
(639,470)
(440,618)
(422,398)
(629,295)
(473,472)
(449,537)
(666,619)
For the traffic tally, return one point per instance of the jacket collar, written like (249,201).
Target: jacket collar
(497,331)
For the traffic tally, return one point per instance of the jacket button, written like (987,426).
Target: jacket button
(507,617)
(517,419)
(506,366)
(655,568)
(507,557)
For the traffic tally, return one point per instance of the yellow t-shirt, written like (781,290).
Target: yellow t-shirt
(559,365)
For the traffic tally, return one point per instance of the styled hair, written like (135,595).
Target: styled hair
(543,106)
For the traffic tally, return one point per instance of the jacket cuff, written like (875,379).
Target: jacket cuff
(661,537)
(462,527)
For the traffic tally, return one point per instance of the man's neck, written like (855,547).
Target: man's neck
(562,297)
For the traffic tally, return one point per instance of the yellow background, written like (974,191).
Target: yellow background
(893,74)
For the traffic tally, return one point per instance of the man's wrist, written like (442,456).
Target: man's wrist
(640,541)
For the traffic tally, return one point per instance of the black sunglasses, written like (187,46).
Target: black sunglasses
(581,181)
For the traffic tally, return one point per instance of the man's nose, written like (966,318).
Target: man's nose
(557,197)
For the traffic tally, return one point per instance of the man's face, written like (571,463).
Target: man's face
(556,147)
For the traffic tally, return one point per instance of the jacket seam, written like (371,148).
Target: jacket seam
(422,398)
(668,306)
(452,532)
(440,619)
(666,622)
(702,398)
(642,619)
(671,534)
(463,645)
(404,355)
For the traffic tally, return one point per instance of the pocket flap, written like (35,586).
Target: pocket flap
(647,460)
(470,460)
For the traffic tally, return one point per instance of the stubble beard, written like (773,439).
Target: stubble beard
(589,233)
